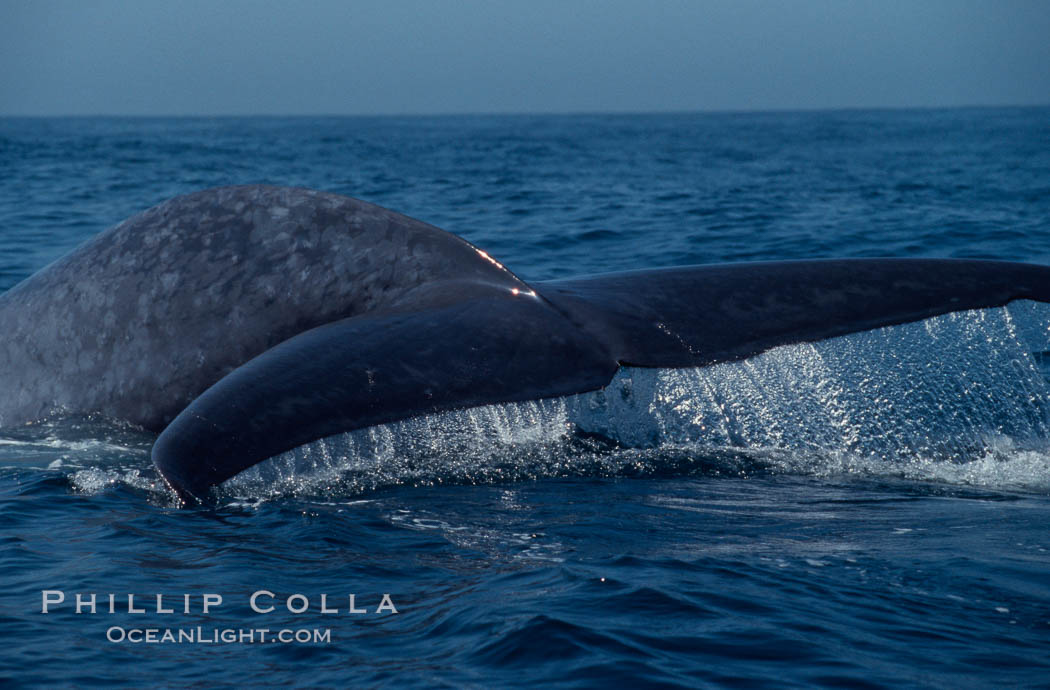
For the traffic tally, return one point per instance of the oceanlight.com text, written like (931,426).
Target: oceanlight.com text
(204,635)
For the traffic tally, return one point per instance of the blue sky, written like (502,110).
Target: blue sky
(220,57)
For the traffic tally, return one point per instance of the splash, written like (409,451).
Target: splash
(73,441)
(960,398)
(90,454)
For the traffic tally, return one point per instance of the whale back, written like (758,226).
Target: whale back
(138,321)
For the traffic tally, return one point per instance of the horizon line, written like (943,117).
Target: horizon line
(525,113)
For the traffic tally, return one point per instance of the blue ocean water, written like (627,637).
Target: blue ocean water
(871,511)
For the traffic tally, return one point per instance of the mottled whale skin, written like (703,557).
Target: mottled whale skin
(242,322)
(141,319)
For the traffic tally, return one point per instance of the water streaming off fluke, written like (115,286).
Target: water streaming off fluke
(962,397)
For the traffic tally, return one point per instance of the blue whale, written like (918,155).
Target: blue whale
(242,322)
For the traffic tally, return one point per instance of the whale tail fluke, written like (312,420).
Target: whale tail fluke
(558,338)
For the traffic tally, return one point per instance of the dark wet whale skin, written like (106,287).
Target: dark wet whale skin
(245,321)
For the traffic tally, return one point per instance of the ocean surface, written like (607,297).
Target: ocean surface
(870,511)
